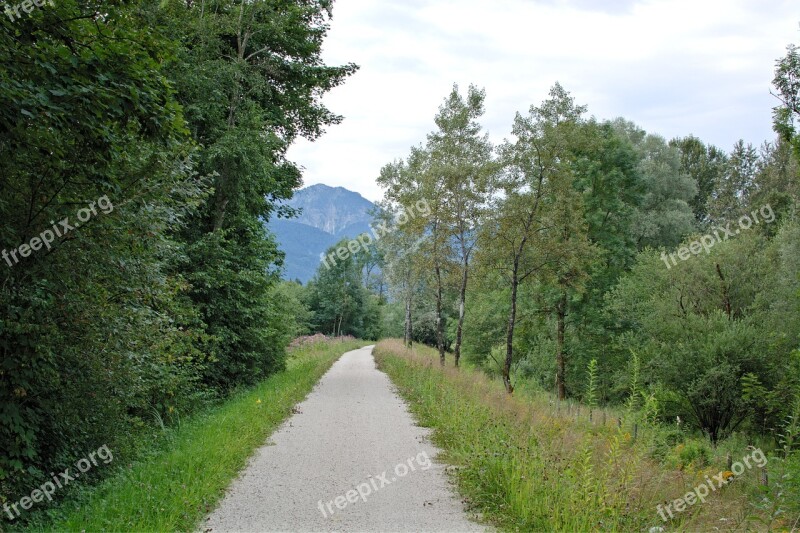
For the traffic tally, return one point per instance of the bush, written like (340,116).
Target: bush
(691,455)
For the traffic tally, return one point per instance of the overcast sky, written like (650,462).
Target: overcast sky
(675,67)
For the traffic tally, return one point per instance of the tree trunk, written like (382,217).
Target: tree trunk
(407,331)
(726,301)
(512,318)
(439,324)
(561,313)
(461,307)
(219,212)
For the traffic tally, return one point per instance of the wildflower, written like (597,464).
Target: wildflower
(258,401)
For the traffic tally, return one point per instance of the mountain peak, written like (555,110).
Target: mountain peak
(327,215)
(331,209)
(321,187)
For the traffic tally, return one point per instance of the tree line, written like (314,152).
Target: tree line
(583,247)
(179,114)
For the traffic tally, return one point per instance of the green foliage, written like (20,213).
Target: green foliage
(693,455)
(589,256)
(153,308)
(789,437)
(704,164)
(591,384)
(234,293)
(781,498)
(96,330)
(565,270)
(535,233)
(776,182)
(634,394)
(650,408)
(762,401)
(451,175)
(664,216)
(708,314)
(177,478)
(736,185)
(549,473)
(337,297)
(250,77)
(486,322)
(787,84)
(291,296)
(462,167)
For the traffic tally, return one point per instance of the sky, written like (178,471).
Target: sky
(674,67)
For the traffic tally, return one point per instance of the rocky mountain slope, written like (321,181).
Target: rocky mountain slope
(328,214)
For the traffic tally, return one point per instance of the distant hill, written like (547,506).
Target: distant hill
(328,215)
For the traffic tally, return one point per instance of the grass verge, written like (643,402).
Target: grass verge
(526,464)
(175,487)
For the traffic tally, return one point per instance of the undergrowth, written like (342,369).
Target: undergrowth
(529,463)
(178,479)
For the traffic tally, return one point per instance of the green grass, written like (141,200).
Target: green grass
(527,464)
(176,487)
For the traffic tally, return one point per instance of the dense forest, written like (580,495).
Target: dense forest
(584,247)
(174,118)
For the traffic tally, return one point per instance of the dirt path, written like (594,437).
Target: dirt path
(350,459)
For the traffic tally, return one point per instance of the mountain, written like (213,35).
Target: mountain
(328,215)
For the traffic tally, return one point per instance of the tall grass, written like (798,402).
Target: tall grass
(528,463)
(175,487)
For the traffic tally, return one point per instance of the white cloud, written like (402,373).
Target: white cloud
(675,67)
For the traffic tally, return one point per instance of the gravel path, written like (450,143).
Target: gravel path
(350,459)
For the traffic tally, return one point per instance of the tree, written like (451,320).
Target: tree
(712,314)
(606,168)
(251,77)
(372,264)
(162,127)
(292,297)
(777,182)
(570,269)
(664,216)
(400,248)
(461,159)
(787,85)
(736,185)
(336,294)
(407,184)
(706,165)
(89,125)
(520,239)
(340,303)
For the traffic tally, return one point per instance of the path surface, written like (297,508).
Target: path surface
(349,431)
